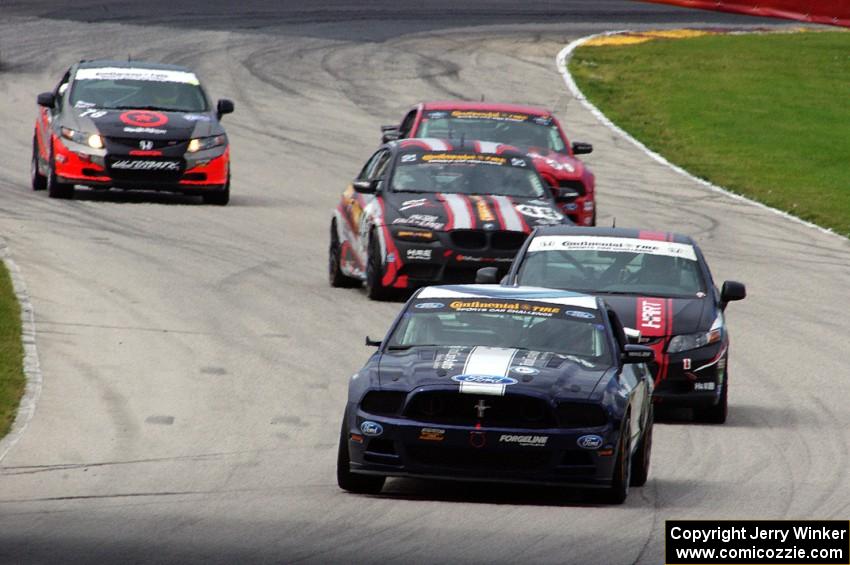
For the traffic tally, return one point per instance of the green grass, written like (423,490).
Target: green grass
(11,353)
(766,116)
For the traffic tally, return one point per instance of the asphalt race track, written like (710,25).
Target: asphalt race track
(195,359)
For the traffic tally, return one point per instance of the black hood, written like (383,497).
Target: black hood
(144,124)
(462,211)
(654,316)
(549,374)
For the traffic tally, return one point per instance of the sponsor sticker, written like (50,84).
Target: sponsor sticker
(196,117)
(429,305)
(704,386)
(370,428)
(651,314)
(612,244)
(539,212)
(485,379)
(93,113)
(525,370)
(591,441)
(131,73)
(686,363)
(465,158)
(418,254)
(432,434)
(579,314)
(131,165)
(156,131)
(143,118)
(525,440)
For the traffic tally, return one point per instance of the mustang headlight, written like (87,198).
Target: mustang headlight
(204,143)
(418,235)
(93,140)
(686,342)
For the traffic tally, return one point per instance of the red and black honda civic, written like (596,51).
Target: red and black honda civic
(131,125)
(659,284)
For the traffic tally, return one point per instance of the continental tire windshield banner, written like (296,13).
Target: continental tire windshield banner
(831,12)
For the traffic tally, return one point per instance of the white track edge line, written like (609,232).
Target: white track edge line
(563,59)
(32,368)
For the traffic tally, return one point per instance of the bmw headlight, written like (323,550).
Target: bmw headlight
(93,140)
(686,342)
(204,143)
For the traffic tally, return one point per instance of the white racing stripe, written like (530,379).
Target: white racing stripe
(487,362)
(512,220)
(460,211)
(488,147)
(435,144)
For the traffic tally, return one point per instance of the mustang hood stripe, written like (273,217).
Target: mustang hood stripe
(491,362)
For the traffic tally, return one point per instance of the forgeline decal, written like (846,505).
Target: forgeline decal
(525,441)
(465,158)
(613,244)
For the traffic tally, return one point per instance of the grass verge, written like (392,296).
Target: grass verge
(12,380)
(764,115)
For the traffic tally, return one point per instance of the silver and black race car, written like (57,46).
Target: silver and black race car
(487,383)
(131,125)
(426,211)
(659,284)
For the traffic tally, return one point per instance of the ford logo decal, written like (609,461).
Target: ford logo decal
(371,428)
(579,314)
(484,379)
(429,305)
(592,441)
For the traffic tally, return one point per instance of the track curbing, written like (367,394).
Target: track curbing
(562,61)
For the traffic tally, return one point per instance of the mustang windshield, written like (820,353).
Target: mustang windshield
(137,88)
(523,131)
(538,326)
(466,173)
(613,265)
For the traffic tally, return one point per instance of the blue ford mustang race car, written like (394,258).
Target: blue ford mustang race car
(487,383)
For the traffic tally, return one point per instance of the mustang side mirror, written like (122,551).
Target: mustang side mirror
(46,99)
(487,275)
(565,194)
(389,133)
(373,342)
(637,354)
(732,291)
(224,106)
(580,148)
(632,335)
(365,186)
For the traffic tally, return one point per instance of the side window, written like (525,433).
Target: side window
(407,124)
(61,89)
(366,171)
(377,172)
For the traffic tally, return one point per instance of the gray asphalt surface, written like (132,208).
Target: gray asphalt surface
(195,360)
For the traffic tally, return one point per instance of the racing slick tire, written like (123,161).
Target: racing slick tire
(218,197)
(642,455)
(353,482)
(716,414)
(56,189)
(619,489)
(39,181)
(335,275)
(375,272)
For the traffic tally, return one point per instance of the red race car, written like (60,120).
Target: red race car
(131,125)
(533,130)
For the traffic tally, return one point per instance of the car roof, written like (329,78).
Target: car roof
(524,293)
(99,63)
(466,145)
(629,233)
(485,107)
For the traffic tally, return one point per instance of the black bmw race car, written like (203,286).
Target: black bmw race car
(660,285)
(489,383)
(426,211)
(131,125)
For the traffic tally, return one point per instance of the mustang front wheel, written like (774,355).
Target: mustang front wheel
(352,482)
